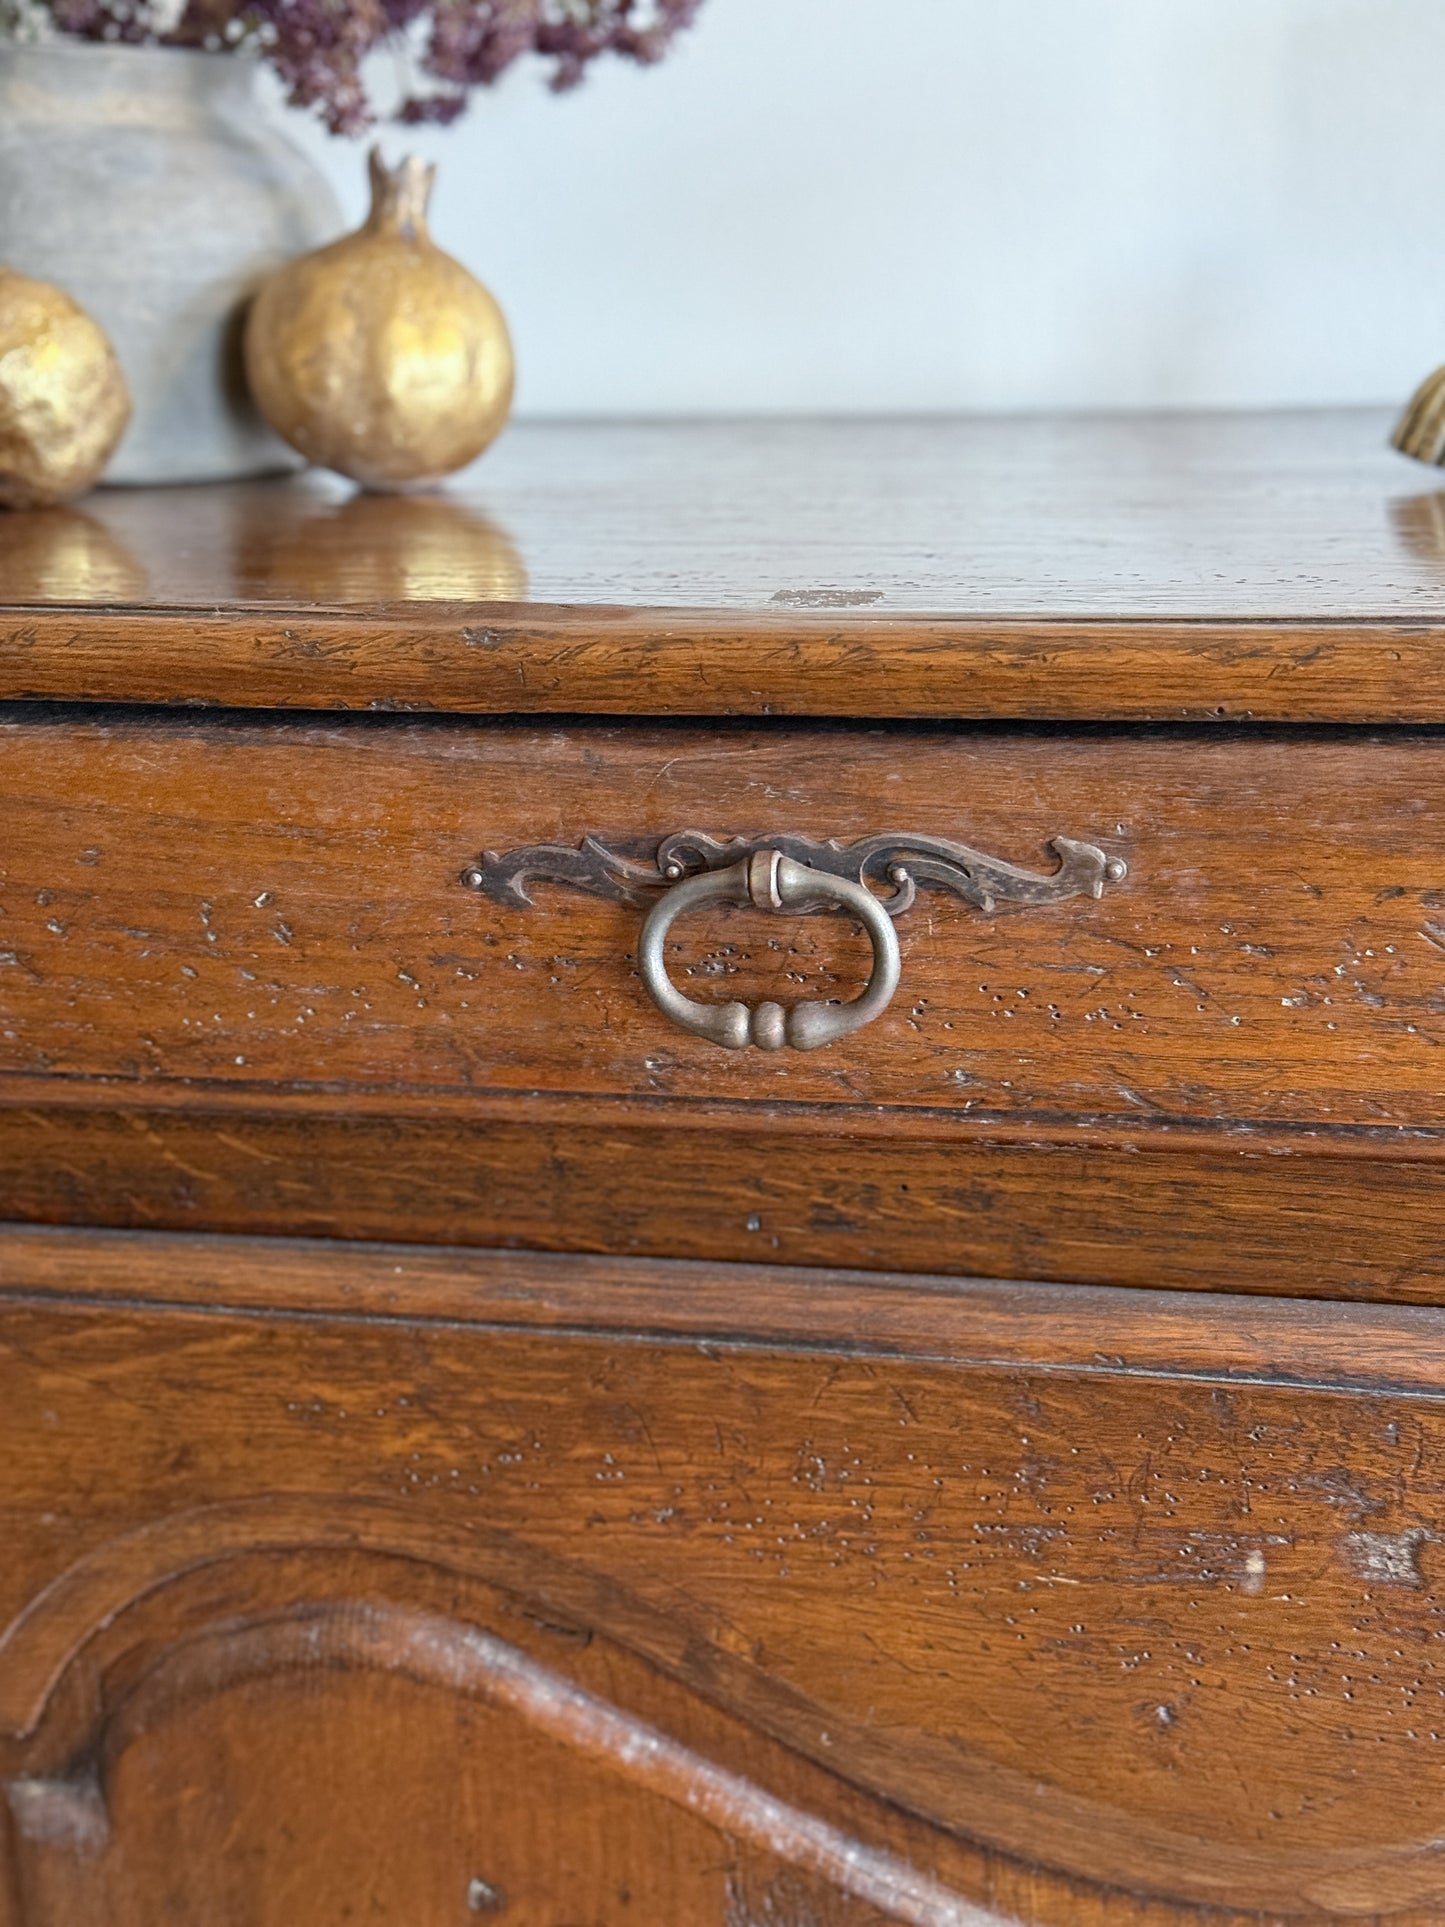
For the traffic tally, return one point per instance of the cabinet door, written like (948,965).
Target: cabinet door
(411,1750)
(351,1584)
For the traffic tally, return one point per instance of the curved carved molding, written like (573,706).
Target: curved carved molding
(438,1650)
(962,1792)
(46,1639)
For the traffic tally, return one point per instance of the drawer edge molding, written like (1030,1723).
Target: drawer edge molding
(438,659)
(1076,1328)
(1327,1228)
(1180,1133)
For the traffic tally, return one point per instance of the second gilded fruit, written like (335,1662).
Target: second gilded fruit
(380,356)
(63,400)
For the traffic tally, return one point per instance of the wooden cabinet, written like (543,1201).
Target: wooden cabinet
(469,1447)
(627,1587)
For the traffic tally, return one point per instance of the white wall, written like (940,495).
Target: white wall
(912,204)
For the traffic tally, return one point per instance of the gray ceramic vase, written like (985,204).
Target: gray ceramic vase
(157,187)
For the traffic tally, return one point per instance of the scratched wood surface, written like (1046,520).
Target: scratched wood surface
(817,1511)
(1280,566)
(278,905)
(1070,1634)
(800,1190)
(468,1774)
(242,987)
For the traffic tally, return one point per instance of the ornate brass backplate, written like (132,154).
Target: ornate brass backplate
(784,873)
(637,871)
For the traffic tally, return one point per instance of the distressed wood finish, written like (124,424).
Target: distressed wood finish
(568,1800)
(1285,567)
(987,1471)
(1039,1627)
(257,906)
(1146,1210)
(293,1017)
(1221,1337)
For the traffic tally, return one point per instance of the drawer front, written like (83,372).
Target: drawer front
(939,1608)
(270,920)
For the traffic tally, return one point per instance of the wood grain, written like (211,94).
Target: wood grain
(437,1803)
(640,1767)
(244,947)
(545,1796)
(255,905)
(1282,567)
(1081,1641)
(1220,1336)
(656,1484)
(1314,1226)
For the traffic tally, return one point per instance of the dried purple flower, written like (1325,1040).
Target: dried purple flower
(319,47)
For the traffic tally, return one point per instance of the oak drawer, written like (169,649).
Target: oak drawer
(243,984)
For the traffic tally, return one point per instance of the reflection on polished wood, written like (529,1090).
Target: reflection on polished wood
(1227,515)
(1419,524)
(725,1548)
(374,548)
(1200,568)
(307,541)
(67,554)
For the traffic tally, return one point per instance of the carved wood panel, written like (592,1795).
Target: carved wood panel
(333,1759)
(1086,1639)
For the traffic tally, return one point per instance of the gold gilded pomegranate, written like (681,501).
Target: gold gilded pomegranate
(64,404)
(380,356)
(1420,431)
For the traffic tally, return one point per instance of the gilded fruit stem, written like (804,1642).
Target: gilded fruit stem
(400,196)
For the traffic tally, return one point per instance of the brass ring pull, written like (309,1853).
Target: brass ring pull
(770,881)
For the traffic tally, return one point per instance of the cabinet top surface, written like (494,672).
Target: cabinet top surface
(1109,566)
